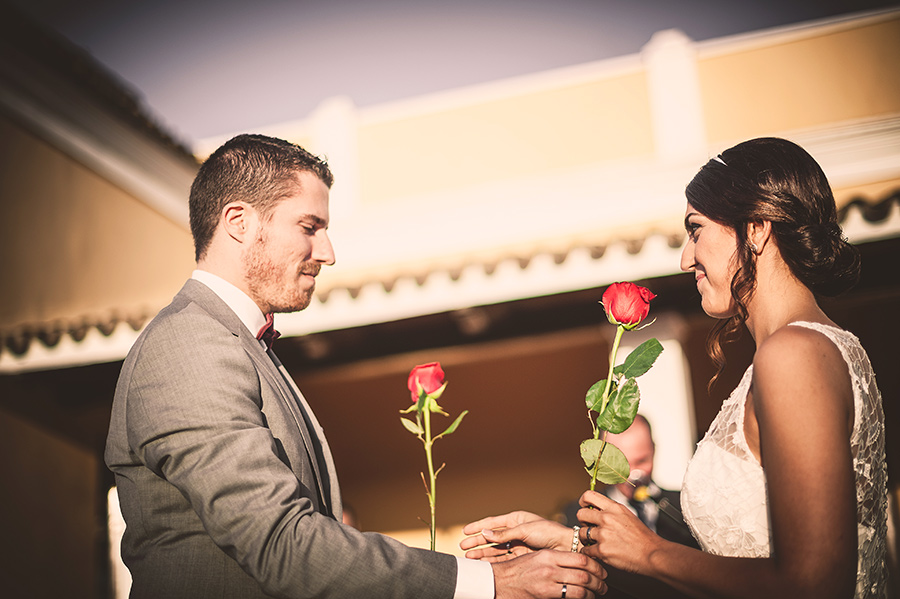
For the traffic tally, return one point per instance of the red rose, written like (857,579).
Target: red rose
(627,304)
(430,376)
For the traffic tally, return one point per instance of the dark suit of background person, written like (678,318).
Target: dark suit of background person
(225,479)
(660,510)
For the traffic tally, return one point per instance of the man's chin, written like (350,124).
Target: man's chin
(293,305)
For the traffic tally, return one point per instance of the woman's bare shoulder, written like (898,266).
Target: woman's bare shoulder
(803,362)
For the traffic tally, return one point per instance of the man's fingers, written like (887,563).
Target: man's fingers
(583,577)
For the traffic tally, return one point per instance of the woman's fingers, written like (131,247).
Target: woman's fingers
(487,536)
(595,499)
(504,521)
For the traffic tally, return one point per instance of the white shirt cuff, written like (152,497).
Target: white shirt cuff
(474,579)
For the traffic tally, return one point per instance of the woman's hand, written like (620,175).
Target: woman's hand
(549,575)
(512,535)
(614,535)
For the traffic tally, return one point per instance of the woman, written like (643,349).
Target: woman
(787,491)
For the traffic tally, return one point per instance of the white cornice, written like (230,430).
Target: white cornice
(511,279)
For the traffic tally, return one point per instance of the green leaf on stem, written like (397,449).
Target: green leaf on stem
(613,469)
(452,428)
(411,426)
(621,409)
(594,396)
(640,359)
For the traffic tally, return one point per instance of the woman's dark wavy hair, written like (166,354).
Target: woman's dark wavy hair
(771,179)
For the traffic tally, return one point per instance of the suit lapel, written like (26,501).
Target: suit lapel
(325,450)
(270,372)
(268,365)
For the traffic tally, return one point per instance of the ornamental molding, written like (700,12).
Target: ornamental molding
(92,341)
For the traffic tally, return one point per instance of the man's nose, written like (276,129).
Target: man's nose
(323,251)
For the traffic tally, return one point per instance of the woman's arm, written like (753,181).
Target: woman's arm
(802,400)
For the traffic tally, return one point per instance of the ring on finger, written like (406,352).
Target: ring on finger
(588,541)
(565,588)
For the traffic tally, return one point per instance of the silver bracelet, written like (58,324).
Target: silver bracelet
(575,530)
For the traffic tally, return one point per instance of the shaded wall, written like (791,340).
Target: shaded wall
(53,536)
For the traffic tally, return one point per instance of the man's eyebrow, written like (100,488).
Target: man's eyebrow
(318,220)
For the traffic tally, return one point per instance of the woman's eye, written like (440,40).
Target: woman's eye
(693,230)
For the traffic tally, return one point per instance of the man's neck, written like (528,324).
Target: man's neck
(236,299)
(226,270)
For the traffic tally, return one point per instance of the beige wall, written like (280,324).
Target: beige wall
(553,129)
(76,246)
(870,192)
(815,81)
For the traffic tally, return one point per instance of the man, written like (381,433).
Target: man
(658,508)
(225,479)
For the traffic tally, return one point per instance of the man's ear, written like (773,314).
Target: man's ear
(758,235)
(236,220)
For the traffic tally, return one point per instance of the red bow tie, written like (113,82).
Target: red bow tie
(267,333)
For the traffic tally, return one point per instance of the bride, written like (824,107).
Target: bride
(787,492)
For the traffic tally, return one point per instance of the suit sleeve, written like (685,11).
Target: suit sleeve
(194,418)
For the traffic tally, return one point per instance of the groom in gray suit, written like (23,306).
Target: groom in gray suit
(225,478)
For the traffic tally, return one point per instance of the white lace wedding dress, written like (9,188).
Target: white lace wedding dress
(723,497)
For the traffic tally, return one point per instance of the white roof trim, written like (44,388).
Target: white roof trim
(95,348)
(122,157)
(439,293)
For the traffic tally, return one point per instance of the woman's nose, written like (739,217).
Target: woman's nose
(687,256)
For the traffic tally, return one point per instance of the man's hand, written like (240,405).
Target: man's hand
(549,575)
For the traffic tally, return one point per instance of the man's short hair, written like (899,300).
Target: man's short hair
(255,169)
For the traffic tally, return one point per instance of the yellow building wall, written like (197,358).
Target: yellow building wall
(830,77)
(76,246)
(511,138)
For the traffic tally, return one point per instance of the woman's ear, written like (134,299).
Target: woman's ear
(758,236)
(236,218)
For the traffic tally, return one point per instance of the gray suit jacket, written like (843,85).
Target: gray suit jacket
(225,482)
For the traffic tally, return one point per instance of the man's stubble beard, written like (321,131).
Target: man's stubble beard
(263,278)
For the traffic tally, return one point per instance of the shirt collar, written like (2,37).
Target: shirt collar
(239,302)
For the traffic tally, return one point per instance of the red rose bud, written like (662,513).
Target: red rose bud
(627,304)
(430,376)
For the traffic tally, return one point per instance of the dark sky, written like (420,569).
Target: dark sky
(209,68)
